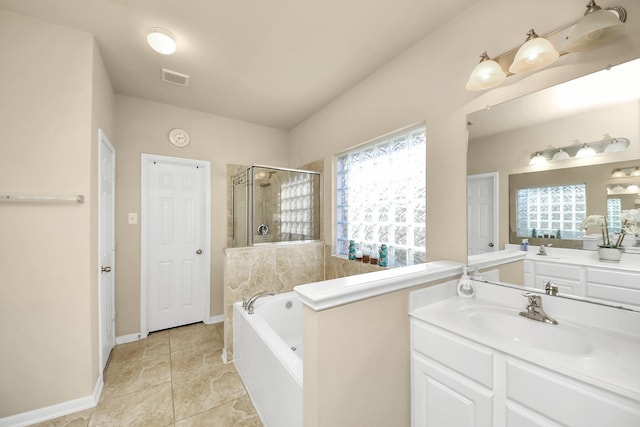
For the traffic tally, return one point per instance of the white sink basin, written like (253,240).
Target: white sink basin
(564,338)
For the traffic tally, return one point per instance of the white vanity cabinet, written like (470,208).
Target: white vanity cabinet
(452,380)
(458,382)
(593,280)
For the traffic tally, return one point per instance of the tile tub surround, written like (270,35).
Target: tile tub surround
(172,378)
(275,268)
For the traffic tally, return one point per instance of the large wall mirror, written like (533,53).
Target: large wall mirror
(594,110)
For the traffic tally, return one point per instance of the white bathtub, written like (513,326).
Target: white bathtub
(267,352)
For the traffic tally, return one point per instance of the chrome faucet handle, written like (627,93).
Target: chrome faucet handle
(534,299)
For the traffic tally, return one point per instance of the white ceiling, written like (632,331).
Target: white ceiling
(273,62)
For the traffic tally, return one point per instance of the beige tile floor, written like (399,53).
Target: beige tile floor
(173,378)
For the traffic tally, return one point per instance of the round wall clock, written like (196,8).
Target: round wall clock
(179,137)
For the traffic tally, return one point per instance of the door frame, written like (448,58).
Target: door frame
(104,140)
(496,204)
(146,160)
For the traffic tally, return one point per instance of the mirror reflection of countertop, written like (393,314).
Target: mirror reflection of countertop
(628,262)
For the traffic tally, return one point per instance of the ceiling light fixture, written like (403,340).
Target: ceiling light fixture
(596,27)
(161,41)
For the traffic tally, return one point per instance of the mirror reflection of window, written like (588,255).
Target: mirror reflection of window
(551,212)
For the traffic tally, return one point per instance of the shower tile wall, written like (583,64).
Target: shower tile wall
(274,268)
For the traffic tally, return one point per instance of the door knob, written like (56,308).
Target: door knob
(490,245)
(106,269)
(199,251)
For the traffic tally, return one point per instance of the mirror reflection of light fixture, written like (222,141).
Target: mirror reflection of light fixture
(537,160)
(585,151)
(561,155)
(635,172)
(536,53)
(596,27)
(487,74)
(618,173)
(615,146)
(161,41)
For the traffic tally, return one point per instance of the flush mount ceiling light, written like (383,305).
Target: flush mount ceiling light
(536,53)
(597,26)
(487,74)
(161,41)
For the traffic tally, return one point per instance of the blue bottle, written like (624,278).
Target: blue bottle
(382,261)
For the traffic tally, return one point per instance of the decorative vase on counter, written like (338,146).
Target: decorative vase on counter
(610,254)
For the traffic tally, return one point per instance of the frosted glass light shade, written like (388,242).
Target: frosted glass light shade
(595,28)
(615,146)
(585,151)
(161,41)
(537,160)
(486,74)
(536,53)
(561,155)
(618,174)
(635,172)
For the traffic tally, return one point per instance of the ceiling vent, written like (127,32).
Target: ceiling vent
(175,77)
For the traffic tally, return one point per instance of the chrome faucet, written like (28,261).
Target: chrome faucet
(543,249)
(248,304)
(535,311)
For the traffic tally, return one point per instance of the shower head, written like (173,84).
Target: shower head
(263,178)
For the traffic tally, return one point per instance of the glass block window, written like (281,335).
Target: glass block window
(296,207)
(381,196)
(549,209)
(614,211)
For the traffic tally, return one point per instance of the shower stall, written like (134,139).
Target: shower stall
(272,204)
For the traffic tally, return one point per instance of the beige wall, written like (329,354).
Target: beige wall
(143,127)
(509,153)
(426,83)
(357,363)
(51,80)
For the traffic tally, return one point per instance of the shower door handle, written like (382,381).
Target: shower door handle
(199,251)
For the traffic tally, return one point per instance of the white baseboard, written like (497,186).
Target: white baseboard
(215,319)
(128,338)
(55,411)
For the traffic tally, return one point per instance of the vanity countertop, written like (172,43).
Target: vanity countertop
(596,344)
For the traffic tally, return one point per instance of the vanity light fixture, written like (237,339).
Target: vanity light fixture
(580,150)
(585,151)
(536,53)
(537,160)
(161,41)
(561,155)
(487,74)
(615,146)
(618,173)
(596,27)
(635,172)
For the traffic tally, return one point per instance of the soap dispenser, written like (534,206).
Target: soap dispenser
(465,288)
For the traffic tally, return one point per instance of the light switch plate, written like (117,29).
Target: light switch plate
(132,218)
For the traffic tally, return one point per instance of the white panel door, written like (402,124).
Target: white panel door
(176,233)
(106,245)
(482,213)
